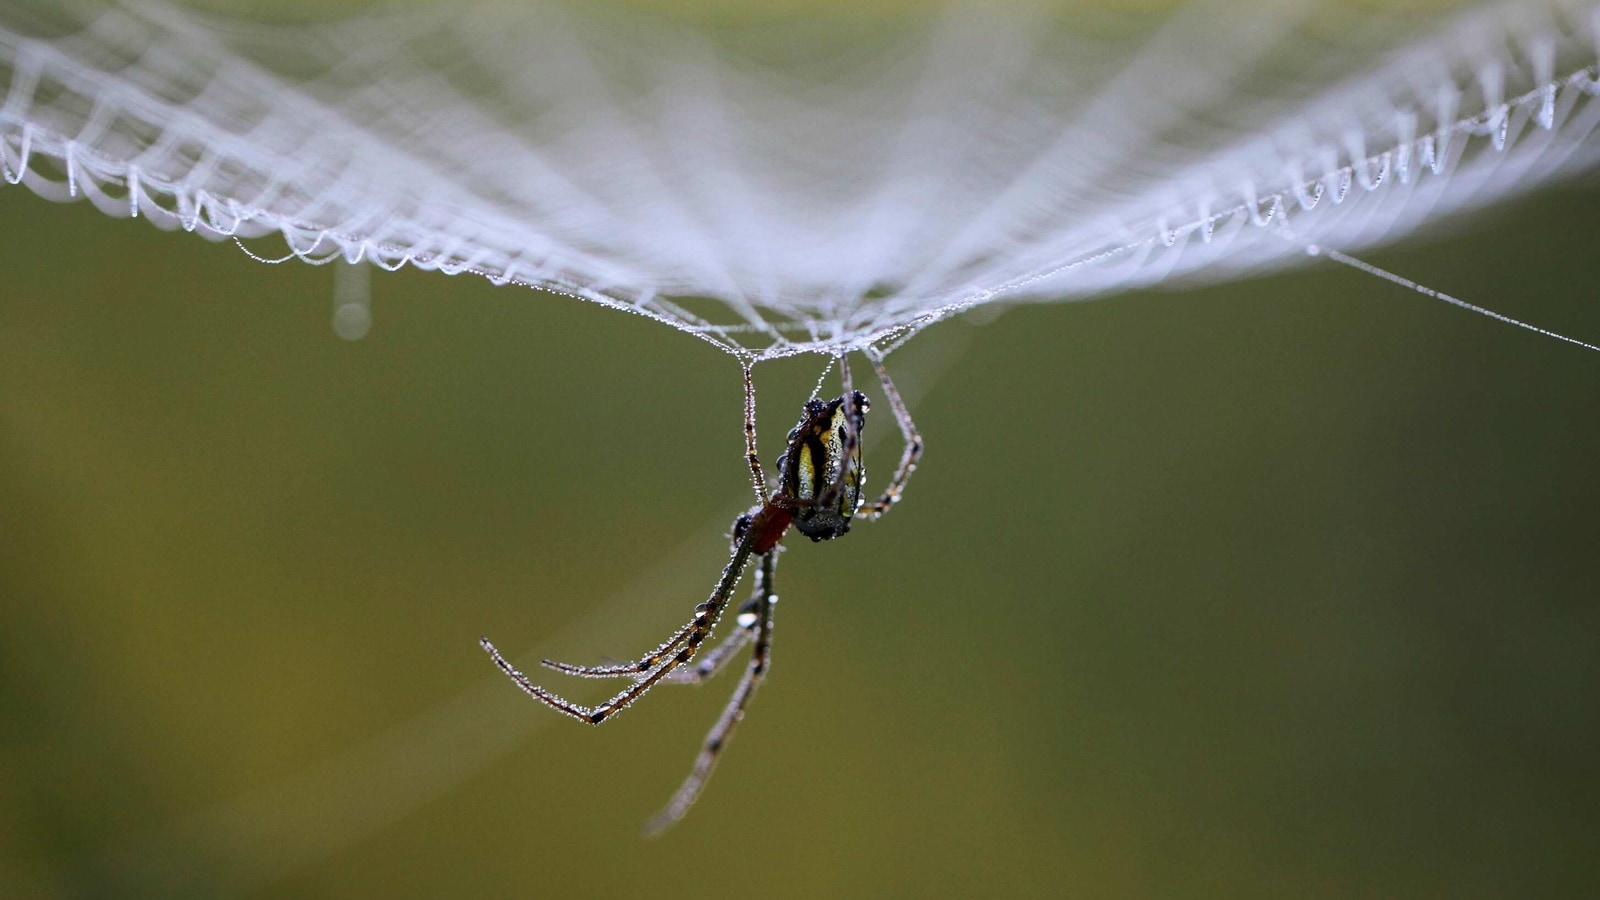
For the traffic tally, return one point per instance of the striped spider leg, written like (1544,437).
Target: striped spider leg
(820,476)
(749,623)
(755,624)
(908,431)
(652,668)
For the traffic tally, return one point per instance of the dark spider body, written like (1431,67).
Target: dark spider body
(807,470)
(823,456)
(820,476)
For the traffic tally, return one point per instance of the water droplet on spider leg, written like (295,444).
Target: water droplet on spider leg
(352,300)
(746,619)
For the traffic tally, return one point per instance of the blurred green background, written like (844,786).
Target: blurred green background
(1276,589)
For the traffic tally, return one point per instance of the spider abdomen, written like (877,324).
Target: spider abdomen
(822,446)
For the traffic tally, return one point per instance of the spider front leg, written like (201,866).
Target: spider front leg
(678,650)
(719,735)
(758,477)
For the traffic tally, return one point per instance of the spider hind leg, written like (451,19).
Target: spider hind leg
(908,457)
(658,664)
(716,740)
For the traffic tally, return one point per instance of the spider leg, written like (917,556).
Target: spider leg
(715,659)
(749,626)
(722,731)
(708,666)
(908,430)
(851,450)
(625,669)
(757,476)
(687,641)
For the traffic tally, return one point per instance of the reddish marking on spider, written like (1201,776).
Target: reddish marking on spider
(769,527)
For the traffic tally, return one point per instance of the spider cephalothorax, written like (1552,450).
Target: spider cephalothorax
(819,492)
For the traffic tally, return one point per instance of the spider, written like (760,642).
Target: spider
(820,477)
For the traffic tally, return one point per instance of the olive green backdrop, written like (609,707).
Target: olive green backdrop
(1277,589)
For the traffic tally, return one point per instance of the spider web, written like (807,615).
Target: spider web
(775,186)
